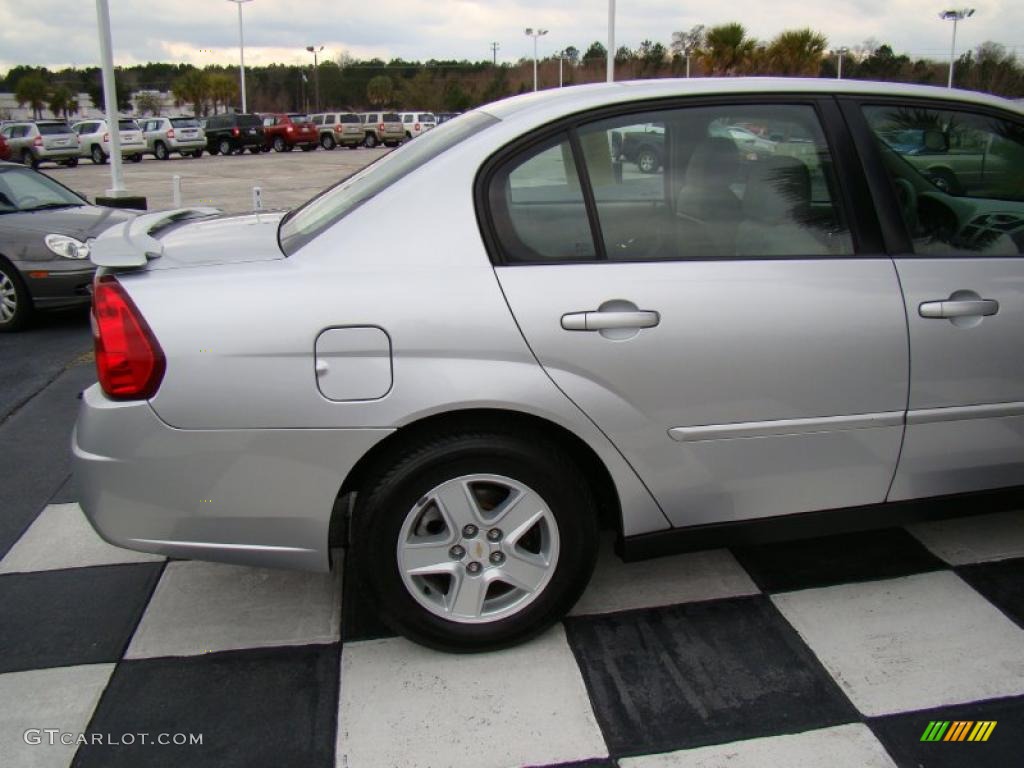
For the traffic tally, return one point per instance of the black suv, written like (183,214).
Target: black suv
(230,133)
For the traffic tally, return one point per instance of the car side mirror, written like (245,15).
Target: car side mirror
(936,141)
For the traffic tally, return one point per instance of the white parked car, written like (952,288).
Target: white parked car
(94,140)
(417,123)
(167,135)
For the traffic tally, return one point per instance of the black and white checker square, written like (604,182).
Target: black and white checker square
(835,651)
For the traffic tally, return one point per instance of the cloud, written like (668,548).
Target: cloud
(58,33)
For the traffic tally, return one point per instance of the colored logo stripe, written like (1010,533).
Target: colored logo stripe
(958,730)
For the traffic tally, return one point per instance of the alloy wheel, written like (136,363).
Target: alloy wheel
(8,298)
(478,548)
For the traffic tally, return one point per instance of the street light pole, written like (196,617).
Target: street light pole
(110,99)
(956,16)
(610,73)
(241,52)
(535,33)
(839,71)
(316,73)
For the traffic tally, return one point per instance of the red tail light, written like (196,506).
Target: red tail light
(338,128)
(289,129)
(106,137)
(416,127)
(234,131)
(381,127)
(38,141)
(170,133)
(129,362)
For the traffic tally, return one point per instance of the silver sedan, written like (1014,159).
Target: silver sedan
(728,341)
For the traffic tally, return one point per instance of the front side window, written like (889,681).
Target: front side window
(958,177)
(731,181)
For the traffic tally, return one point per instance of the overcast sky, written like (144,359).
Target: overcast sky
(63,32)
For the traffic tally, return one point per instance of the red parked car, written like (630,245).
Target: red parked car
(284,132)
(5,151)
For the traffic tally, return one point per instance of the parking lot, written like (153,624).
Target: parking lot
(286,178)
(849,645)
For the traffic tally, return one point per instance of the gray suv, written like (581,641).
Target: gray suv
(42,141)
(166,135)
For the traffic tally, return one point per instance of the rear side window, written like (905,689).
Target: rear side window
(723,182)
(538,207)
(54,129)
(957,175)
(306,222)
(406,118)
(319,119)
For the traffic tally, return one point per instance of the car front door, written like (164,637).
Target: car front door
(959,242)
(711,314)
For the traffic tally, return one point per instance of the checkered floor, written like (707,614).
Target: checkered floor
(835,651)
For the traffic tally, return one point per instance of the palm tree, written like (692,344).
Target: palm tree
(223,89)
(379,90)
(797,52)
(727,49)
(148,101)
(32,90)
(192,88)
(59,100)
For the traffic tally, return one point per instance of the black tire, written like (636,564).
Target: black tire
(97,155)
(371,140)
(29,159)
(197,154)
(530,459)
(408,136)
(309,147)
(278,144)
(136,158)
(224,147)
(71,162)
(160,151)
(255,150)
(327,142)
(647,161)
(23,309)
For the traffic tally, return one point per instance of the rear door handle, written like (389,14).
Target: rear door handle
(605,321)
(962,308)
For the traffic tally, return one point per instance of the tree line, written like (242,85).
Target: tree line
(448,85)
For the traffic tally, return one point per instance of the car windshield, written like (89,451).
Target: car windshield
(53,129)
(22,189)
(306,222)
(184,122)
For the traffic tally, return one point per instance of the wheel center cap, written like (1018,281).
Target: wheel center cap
(478,550)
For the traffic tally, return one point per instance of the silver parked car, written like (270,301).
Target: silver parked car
(34,143)
(166,135)
(573,344)
(95,142)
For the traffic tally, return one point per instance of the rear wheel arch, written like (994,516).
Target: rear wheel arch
(518,423)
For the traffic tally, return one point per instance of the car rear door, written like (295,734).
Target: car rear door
(959,245)
(712,315)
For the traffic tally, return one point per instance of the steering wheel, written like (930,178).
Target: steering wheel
(906,195)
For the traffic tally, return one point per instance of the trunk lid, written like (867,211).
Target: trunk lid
(188,237)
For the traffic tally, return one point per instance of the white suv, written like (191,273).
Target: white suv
(94,139)
(339,128)
(166,135)
(416,123)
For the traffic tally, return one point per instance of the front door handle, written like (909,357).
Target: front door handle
(606,321)
(950,309)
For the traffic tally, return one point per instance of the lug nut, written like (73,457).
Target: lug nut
(473,567)
(469,531)
(456,552)
(497,558)
(494,534)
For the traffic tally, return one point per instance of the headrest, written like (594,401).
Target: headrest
(778,189)
(714,160)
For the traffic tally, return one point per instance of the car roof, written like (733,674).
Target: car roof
(565,101)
